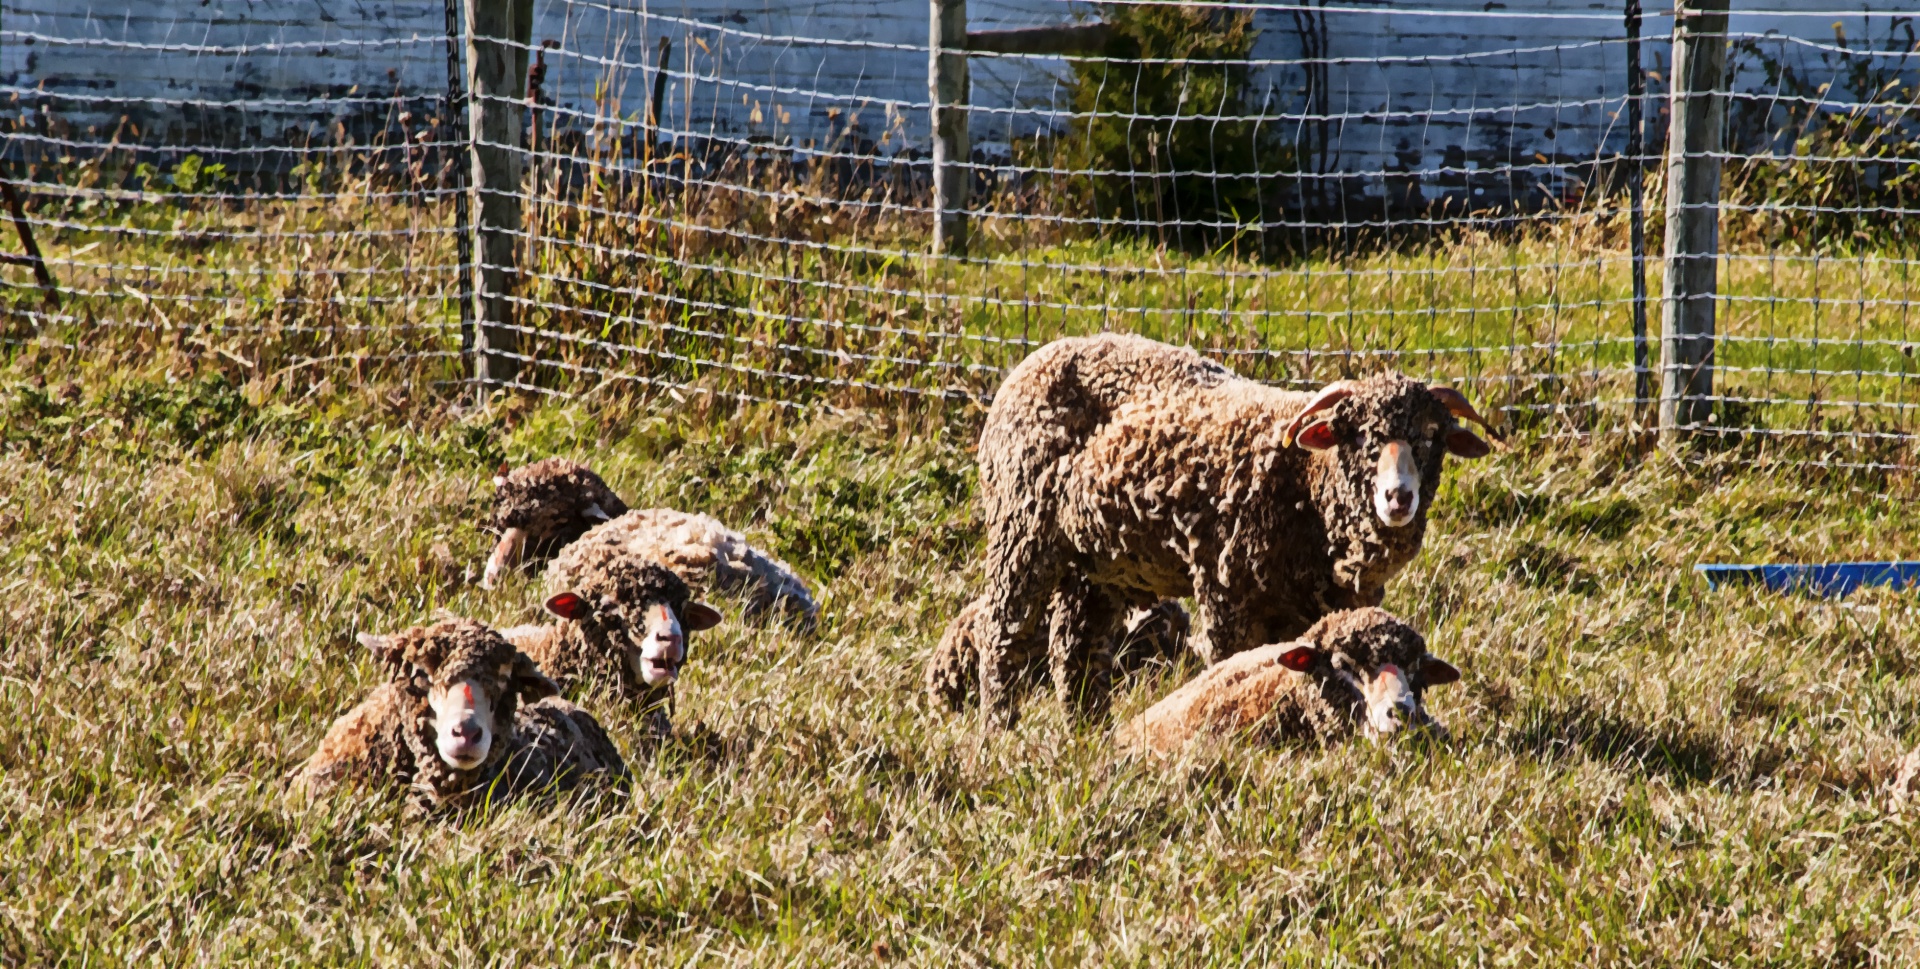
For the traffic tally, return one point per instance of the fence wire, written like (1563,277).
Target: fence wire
(737,201)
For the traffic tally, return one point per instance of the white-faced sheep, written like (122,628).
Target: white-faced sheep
(1359,670)
(465,716)
(548,506)
(543,507)
(1116,472)
(624,623)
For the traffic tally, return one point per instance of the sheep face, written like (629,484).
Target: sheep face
(1388,434)
(644,621)
(469,681)
(463,723)
(1373,669)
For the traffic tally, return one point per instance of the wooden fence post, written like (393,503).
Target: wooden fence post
(499,33)
(1694,139)
(947,83)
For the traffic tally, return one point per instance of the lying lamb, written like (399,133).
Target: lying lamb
(1360,669)
(547,506)
(544,507)
(624,622)
(1116,472)
(451,727)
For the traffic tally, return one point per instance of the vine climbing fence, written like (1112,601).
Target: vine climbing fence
(826,205)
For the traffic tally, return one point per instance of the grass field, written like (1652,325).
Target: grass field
(1642,772)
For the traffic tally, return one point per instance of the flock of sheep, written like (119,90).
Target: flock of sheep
(1117,475)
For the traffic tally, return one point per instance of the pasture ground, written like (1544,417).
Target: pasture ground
(1643,772)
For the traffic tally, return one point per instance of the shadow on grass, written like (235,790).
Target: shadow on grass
(1673,751)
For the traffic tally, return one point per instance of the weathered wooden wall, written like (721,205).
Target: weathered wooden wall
(1398,99)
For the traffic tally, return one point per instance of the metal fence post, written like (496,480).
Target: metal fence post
(1694,138)
(947,83)
(499,33)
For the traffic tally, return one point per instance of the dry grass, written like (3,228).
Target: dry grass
(1643,772)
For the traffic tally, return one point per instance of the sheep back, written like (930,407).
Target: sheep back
(558,747)
(698,548)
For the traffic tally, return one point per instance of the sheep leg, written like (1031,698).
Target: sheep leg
(1226,625)
(1008,631)
(1085,621)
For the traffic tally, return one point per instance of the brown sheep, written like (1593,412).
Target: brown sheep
(1117,472)
(450,726)
(1360,670)
(624,624)
(544,507)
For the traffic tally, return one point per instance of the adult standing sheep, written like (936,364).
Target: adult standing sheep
(1116,472)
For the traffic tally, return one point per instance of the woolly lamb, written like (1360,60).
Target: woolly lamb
(624,623)
(708,555)
(1360,669)
(1116,472)
(544,507)
(450,726)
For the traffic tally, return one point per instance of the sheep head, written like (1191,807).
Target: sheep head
(1372,668)
(543,506)
(1388,434)
(640,613)
(468,682)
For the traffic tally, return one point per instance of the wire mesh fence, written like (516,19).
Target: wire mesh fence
(740,201)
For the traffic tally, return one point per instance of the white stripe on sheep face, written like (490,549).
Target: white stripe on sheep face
(1396,474)
(462,723)
(1384,701)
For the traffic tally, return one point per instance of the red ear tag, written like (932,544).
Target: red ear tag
(566,605)
(1318,437)
(1300,658)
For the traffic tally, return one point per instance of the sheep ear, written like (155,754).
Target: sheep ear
(1300,658)
(386,651)
(1435,671)
(1319,437)
(698,615)
(1466,444)
(380,646)
(566,605)
(532,685)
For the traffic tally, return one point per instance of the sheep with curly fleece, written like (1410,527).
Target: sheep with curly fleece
(1360,670)
(465,715)
(710,556)
(1116,472)
(548,506)
(624,623)
(543,507)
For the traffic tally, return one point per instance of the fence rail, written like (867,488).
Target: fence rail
(874,201)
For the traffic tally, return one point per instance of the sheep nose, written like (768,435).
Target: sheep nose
(670,643)
(468,731)
(1399,500)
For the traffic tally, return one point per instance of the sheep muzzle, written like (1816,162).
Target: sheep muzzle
(1396,490)
(462,723)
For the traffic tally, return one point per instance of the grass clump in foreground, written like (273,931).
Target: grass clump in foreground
(1643,772)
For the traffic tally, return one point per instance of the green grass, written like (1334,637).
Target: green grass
(1643,772)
